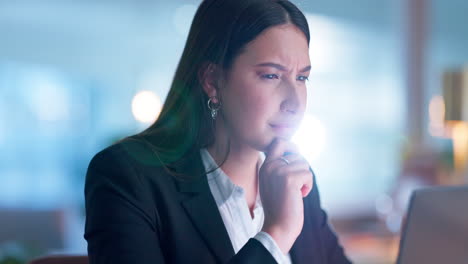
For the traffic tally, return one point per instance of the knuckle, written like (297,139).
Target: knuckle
(281,170)
(290,181)
(304,167)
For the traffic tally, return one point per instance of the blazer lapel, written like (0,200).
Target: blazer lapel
(201,206)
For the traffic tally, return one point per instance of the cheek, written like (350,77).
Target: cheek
(258,109)
(251,106)
(257,103)
(303,98)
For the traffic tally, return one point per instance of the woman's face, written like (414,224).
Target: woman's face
(265,94)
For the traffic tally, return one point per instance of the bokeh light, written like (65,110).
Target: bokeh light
(460,144)
(437,126)
(310,137)
(437,110)
(384,204)
(146,106)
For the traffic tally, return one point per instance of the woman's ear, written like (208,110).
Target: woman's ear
(208,75)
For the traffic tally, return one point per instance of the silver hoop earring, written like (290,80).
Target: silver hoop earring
(213,107)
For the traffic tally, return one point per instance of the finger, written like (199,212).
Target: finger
(280,147)
(308,185)
(291,149)
(305,190)
(293,167)
(302,181)
(275,150)
(295,161)
(293,158)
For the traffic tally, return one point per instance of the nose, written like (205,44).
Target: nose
(292,102)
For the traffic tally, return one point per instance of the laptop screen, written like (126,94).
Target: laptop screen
(436,229)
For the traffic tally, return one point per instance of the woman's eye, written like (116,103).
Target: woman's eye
(302,78)
(270,76)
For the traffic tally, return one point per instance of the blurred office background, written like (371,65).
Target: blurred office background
(77,75)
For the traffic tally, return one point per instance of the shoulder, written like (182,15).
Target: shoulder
(129,151)
(128,169)
(128,166)
(119,186)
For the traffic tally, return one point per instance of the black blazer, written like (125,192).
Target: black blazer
(136,212)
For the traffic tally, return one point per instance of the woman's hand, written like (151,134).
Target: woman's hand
(282,187)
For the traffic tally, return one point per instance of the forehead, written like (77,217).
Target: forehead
(284,44)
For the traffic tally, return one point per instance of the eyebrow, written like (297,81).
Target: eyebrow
(280,67)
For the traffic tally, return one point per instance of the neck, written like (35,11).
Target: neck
(242,163)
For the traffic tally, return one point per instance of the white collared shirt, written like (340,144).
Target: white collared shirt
(235,212)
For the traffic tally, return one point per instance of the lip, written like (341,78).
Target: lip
(282,126)
(284,129)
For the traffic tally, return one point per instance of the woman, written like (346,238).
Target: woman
(215,179)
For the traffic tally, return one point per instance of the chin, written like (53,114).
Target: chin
(260,144)
(263,144)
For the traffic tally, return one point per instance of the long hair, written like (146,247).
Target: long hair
(219,32)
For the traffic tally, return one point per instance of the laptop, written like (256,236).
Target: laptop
(436,228)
